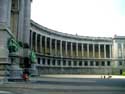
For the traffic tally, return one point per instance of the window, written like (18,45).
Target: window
(69,63)
(43,61)
(97,63)
(120,63)
(38,60)
(75,63)
(103,63)
(48,61)
(58,62)
(64,62)
(15,4)
(86,63)
(91,63)
(53,62)
(80,63)
(108,63)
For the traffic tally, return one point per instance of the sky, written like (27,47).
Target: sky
(99,18)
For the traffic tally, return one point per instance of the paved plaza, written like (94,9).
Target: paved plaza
(64,84)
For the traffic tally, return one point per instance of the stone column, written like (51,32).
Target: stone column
(50,46)
(41,44)
(82,50)
(93,50)
(31,40)
(104,50)
(72,65)
(66,47)
(76,49)
(55,47)
(105,63)
(99,50)
(36,42)
(46,62)
(61,48)
(77,63)
(88,63)
(110,49)
(21,20)
(62,70)
(27,11)
(87,50)
(66,63)
(51,64)
(122,50)
(45,44)
(71,49)
(41,61)
(94,63)
(5,13)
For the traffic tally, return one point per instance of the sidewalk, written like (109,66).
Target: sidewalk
(64,77)
(83,76)
(76,76)
(61,78)
(69,78)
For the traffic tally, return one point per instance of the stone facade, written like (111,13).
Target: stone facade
(14,23)
(57,53)
(72,54)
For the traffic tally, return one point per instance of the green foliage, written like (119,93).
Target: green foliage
(123,73)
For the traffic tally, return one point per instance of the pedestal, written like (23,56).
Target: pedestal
(15,72)
(34,71)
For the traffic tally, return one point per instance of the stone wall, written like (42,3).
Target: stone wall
(69,70)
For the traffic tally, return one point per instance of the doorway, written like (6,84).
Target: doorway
(121,71)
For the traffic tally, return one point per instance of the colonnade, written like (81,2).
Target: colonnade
(66,48)
(57,54)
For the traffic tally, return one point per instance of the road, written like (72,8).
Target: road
(67,86)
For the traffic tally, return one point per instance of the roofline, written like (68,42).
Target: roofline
(69,35)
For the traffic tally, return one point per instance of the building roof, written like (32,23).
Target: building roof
(43,28)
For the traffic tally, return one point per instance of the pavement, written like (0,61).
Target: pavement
(67,84)
(83,76)
(5,92)
(69,76)
(53,77)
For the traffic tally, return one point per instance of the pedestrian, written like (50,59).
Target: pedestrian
(25,77)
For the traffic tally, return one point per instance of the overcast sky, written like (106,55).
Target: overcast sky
(83,17)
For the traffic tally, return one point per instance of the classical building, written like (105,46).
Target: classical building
(14,28)
(72,54)
(56,52)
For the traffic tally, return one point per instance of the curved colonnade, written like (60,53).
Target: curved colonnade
(65,53)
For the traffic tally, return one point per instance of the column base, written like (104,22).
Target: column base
(15,72)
